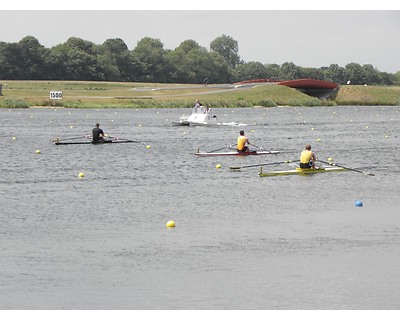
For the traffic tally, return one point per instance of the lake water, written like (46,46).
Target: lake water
(240,241)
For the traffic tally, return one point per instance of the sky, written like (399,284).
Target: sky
(302,35)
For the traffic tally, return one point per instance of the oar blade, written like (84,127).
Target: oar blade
(347,168)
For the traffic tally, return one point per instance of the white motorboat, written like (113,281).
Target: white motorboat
(203,118)
(183,121)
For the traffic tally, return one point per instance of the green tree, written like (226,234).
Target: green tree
(371,75)
(218,70)
(76,60)
(289,71)
(25,60)
(34,59)
(228,48)
(355,73)
(11,56)
(387,79)
(273,71)
(397,76)
(151,55)
(190,63)
(311,73)
(335,73)
(250,71)
(115,60)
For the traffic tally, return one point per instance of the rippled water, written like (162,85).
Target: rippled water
(240,241)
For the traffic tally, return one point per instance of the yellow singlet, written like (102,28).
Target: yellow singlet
(305,156)
(241,143)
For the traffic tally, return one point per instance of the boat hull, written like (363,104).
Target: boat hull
(236,153)
(180,123)
(299,171)
(90,142)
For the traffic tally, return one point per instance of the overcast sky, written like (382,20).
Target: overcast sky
(308,38)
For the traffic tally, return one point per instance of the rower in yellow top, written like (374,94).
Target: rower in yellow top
(307,158)
(242,142)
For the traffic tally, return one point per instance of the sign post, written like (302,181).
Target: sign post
(55,95)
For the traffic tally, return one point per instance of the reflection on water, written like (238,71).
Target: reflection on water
(240,241)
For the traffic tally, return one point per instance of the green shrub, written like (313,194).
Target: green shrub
(243,104)
(266,103)
(13,103)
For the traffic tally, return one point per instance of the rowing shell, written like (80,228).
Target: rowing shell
(299,171)
(235,153)
(90,142)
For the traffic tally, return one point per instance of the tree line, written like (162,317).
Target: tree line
(149,61)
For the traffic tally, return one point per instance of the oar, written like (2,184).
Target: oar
(263,164)
(221,148)
(73,138)
(134,141)
(351,169)
(261,148)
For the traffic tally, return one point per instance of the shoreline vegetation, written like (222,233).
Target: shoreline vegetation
(92,94)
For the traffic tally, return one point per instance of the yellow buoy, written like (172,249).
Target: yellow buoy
(37,151)
(218,166)
(318,140)
(330,159)
(81,175)
(171,224)
(14,138)
(148,147)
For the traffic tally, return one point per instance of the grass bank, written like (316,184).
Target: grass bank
(89,94)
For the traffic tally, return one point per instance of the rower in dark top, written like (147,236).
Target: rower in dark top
(98,134)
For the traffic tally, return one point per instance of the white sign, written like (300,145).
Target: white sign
(56,95)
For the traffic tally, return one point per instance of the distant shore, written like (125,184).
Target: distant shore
(89,94)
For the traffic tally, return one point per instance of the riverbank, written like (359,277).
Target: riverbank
(88,94)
